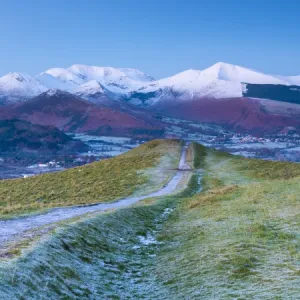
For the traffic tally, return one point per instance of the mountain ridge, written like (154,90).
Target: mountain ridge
(70,113)
(220,80)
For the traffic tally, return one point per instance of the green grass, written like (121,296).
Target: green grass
(102,181)
(239,239)
(199,153)
(101,257)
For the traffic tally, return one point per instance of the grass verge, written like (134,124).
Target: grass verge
(102,181)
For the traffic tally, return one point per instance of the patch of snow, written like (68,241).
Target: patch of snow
(167,212)
(148,240)
(89,88)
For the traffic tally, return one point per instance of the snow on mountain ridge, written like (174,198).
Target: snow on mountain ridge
(90,87)
(228,72)
(16,86)
(70,79)
(64,75)
(219,80)
(98,73)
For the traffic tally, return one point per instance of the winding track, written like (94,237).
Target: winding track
(11,230)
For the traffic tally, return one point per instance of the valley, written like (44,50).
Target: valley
(284,146)
(14,165)
(227,107)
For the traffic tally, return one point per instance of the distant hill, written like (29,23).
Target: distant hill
(276,92)
(18,135)
(70,113)
(255,116)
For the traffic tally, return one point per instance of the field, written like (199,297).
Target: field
(236,239)
(239,238)
(102,181)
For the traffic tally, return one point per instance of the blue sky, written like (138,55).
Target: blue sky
(159,37)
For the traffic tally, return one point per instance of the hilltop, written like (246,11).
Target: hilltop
(101,181)
(233,231)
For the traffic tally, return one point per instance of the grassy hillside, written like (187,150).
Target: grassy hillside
(102,181)
(239,239)
(104,256)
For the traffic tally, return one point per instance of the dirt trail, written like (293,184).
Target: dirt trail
(11,230)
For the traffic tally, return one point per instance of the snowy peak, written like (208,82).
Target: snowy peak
(228,72)
(21,77)
(64,75)
(115,80)
(221,80)
(15,78)
(101,73)
(95,73)
(74,78)
(19,86)
(60,78)
(136,75)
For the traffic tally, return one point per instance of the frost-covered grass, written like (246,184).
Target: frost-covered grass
(107,256)
(239,239)
(102,258)
(102,181)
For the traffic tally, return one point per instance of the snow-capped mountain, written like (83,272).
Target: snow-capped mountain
(228,72)
(92,91)
(85,80)
(59,78)
(115,80)
(19,86)
(221,80)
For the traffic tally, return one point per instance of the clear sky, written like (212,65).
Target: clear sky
(158,37)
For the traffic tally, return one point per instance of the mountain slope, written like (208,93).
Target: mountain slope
(16,87)
(290,94)
(98,84)
(218,81)
(70,113)
(117,80)
(241,114)
(228,72)
(21,136)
